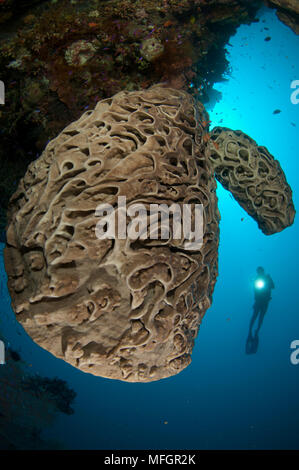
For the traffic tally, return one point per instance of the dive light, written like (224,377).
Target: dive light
(259,284)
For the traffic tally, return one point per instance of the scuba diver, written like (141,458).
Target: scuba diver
(263,284)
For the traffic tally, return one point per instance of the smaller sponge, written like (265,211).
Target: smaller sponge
(254,178)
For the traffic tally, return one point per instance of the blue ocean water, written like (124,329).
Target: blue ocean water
(225,399)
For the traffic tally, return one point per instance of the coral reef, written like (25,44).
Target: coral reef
(59,58)
(253,177)
(11,8)
(125,309)
(55,390)
(28,405)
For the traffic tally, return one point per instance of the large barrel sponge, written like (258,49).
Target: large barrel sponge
(123,309)
(254,178)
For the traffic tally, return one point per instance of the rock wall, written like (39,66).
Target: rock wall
(287,12)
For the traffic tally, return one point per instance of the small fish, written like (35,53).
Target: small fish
(277,111)
(168,23)
(92,25)
(268,38)
(242,218)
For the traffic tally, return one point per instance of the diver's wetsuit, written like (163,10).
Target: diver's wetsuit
(262,297)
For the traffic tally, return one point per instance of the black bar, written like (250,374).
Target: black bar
(156,458)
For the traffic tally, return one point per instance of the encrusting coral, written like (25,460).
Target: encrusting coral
(124,308)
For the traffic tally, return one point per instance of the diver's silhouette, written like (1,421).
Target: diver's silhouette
(263,285)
